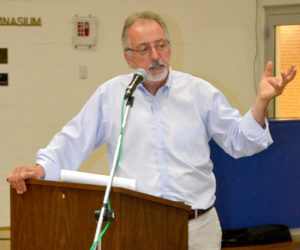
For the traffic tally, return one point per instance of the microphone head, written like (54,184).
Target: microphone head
(138,77)
(142,73)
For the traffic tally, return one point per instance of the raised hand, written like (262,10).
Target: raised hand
(270,86)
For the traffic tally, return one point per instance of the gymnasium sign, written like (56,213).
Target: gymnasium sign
(20,21)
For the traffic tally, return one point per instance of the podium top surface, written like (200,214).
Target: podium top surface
(119,190)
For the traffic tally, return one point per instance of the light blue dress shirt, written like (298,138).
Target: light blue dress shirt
(165,145)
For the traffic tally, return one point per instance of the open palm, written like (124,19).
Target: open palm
(270,86)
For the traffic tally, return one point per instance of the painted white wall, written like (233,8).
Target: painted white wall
(212,39)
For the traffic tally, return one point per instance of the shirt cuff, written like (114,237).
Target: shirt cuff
(52,173)
(254,131)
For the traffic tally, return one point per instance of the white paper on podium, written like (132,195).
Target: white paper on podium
(96,179)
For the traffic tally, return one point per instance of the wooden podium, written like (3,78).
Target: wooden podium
(58,215)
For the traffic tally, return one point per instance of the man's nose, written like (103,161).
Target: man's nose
(154,53)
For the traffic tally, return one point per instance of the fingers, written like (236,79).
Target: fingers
(291,69)
(268,69)
(291,73)
(278,82)
(18,177)
(287,76)
(284,78)
(19,185)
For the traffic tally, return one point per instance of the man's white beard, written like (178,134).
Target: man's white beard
(157,77)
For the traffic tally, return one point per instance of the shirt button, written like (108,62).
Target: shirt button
(163,167)
(166,189)
(158,124)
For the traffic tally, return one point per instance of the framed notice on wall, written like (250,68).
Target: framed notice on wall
(84,31)
(3,55)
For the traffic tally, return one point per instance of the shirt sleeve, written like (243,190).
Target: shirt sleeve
(238,135)
(74,143)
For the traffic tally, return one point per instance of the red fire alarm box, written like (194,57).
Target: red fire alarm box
(85,31)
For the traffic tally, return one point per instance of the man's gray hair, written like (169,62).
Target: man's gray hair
(141,15)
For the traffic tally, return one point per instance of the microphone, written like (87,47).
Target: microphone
(138,77)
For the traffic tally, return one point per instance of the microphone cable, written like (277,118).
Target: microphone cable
(117,165)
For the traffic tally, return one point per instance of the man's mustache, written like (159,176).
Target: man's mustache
(156,64)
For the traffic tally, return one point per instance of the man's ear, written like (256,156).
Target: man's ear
(128,58)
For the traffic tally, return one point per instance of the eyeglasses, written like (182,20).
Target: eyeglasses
(145,48)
